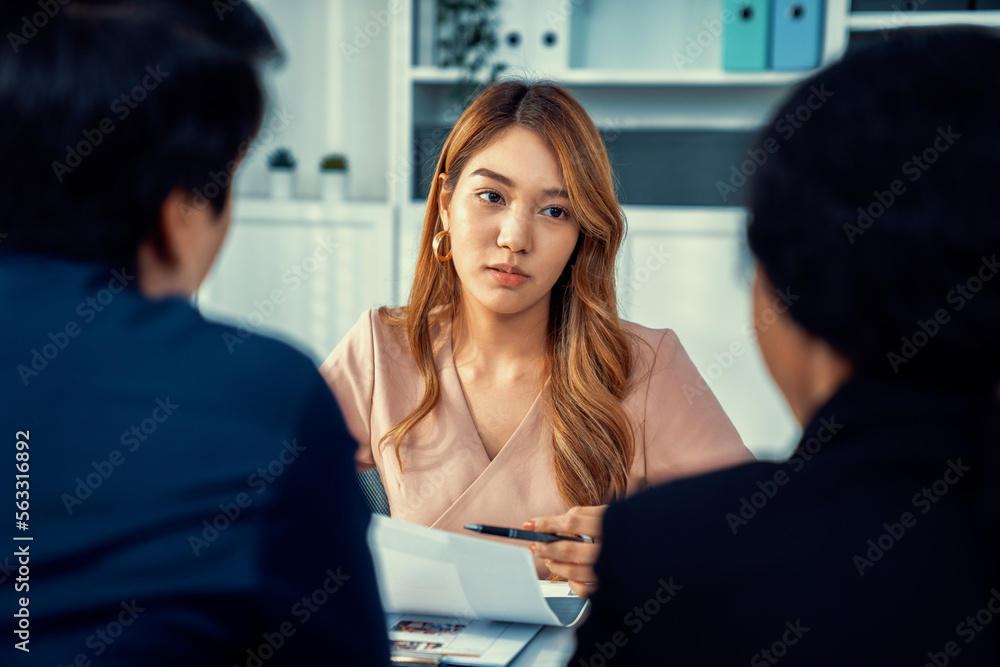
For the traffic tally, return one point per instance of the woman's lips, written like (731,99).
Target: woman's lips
(507,278)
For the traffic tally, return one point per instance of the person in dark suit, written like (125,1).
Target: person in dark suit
(876,542)
(179,499)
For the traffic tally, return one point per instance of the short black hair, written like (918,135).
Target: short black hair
(106,106)
(878,204)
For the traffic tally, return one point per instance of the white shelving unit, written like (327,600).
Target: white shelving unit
(303,270)
(702,244)
(358,81)
(868,21)
(625,77)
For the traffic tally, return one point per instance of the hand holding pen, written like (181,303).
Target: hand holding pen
(569,544)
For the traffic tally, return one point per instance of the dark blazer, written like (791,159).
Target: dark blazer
(191,499)
(872,545)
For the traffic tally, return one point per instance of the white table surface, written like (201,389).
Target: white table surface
(551,647)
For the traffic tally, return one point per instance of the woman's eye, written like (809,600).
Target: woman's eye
(556,212)
(491,197)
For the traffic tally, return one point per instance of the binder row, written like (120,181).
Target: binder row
(779,35)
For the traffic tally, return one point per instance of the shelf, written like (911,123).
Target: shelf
(869,21)
(634,77)
(311,211)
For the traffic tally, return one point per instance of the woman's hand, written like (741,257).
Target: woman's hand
(573,561)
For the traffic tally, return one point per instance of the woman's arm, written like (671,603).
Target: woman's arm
(350,373)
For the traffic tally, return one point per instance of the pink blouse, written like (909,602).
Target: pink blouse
(449,480)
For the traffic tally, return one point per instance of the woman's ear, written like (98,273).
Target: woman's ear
(444,200)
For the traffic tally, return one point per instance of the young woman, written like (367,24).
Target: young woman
(508,387)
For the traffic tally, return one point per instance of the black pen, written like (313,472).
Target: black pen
(516,534)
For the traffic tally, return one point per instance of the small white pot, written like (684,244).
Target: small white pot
(282,183)
(334,185)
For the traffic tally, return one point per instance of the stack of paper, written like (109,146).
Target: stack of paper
(462,598)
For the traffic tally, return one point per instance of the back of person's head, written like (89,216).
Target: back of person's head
(107,106)
(877,205)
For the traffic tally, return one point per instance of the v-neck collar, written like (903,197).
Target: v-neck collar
(447,364)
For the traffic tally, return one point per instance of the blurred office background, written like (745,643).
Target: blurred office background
(675,86)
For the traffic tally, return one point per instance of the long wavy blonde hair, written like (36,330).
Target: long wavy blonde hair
(589,354)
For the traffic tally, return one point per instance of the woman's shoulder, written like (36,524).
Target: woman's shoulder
(382,333)
(650,344)
(392,322)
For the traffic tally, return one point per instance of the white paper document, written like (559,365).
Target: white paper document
(422,570)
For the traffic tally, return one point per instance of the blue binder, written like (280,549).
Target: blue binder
(797,36)
(745,43)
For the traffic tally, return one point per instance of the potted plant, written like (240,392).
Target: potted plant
(468,40)
(281,163)
(333,173)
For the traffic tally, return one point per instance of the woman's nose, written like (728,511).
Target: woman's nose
(515,230)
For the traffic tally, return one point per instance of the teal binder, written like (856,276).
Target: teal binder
(746,41)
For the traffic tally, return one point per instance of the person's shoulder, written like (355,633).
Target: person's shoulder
(376,332)
(652,348)
(662,342)
(378,324)
(712,492)
(234,347)
(390,326)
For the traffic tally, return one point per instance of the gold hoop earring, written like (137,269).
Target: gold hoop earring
(437,244)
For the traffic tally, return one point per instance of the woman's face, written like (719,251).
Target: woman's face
(511,226)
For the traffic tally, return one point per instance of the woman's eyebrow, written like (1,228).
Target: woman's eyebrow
(500,178)
(489,173)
